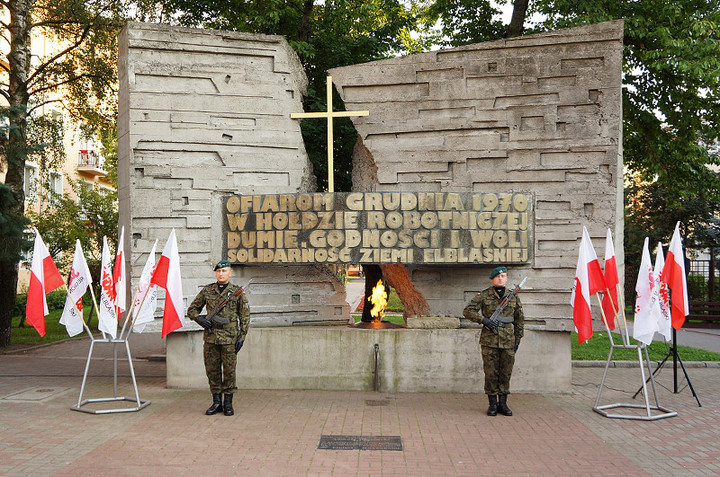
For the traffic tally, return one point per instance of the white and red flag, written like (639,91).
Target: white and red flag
(107,320)
(167,276)
(610,295)
(663,297)
(119,280)
(646,308)
(588,281)
(673,275)
(80,280)
(146,297)
(44,278)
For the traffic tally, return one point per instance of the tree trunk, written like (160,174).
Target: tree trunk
(306,22)
(413,301)
(19,62)
(518,19)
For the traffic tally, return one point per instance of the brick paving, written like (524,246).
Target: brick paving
(276,433)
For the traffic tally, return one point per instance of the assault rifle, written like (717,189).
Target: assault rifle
(212,316)
(498,320)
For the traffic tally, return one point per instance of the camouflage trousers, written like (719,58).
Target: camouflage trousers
(220,364)
(497,365)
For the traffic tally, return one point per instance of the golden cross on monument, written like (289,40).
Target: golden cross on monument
(329,114)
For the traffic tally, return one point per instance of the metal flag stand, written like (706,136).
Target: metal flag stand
(139,404)
(648,408)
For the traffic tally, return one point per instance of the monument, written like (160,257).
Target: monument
(493,153)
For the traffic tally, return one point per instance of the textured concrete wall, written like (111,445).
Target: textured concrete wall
(340,358)
(538,114)
(204,114)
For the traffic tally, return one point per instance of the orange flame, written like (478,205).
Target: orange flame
(379,301)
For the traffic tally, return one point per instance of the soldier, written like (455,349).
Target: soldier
(499,339)
(221,341)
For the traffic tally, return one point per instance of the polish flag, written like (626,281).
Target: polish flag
(146,296)
(167,276)
(119,280)
(44,278)
(663,297)
(80,280)
(610,296)
(673,275)
(588,281)
(646,309)
(107,320)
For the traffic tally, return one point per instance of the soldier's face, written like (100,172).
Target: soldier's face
(223,275)
(499,280)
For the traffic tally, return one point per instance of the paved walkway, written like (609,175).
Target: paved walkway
(276,433)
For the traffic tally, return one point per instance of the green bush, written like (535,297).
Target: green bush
(55,301)
(20,303)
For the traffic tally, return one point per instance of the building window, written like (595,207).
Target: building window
(30,182)
(56,183)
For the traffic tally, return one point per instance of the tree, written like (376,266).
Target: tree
(78,74)
(671,86)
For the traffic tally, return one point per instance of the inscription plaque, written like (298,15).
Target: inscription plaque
(331,442)
(382,227)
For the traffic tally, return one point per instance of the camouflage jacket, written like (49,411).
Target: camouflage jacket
(236,310)
(484,305)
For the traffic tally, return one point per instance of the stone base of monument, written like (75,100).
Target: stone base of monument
(410,360)
(433,322)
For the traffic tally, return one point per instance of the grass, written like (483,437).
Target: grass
(394,304)
(54,330)
(598,348)
(391,318)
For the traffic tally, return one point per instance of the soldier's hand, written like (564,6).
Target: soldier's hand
(492,325)
(238,345)
(204,322)
(517,344)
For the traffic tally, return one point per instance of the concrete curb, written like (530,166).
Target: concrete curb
(632,364)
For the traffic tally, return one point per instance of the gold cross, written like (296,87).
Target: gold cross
(329,114)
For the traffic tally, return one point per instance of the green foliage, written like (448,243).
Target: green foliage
(13,242)
(85,73)
(464,21)
(597,348)
(109,151)
(45,134)
(55,301)
(652,212)
(671,87)
(54,331)
(88,219)
(394,303)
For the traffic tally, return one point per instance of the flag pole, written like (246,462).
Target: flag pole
(138,308)
(602,313)
(621,298)
(612,303)
(82,318)
(92,293)
(127,315)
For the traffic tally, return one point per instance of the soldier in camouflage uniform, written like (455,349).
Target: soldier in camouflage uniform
(499,339)
(221,342)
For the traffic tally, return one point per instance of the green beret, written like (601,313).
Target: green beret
(221,264)
(497,271)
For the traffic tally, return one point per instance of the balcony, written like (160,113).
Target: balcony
(89,162)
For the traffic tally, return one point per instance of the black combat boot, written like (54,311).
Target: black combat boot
(229,411)
(492,410)
(216,405)
(502,405)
